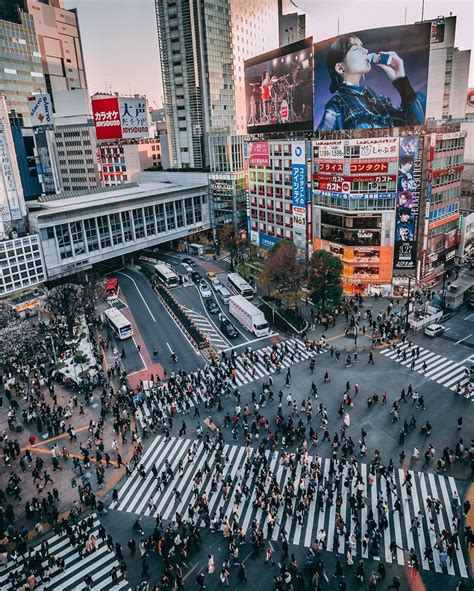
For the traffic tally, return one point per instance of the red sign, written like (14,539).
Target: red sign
(369,167)
(259,154)
(331,167)
(445,171)
(107,118)
(452,238)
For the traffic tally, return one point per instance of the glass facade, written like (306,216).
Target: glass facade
(106,232)
(21,264)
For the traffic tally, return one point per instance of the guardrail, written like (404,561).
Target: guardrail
(181,318)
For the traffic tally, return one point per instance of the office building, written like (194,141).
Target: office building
(448,73)
(291,26)
(202,47)
(75,141)
(59,39)
(21,264)
(122,162)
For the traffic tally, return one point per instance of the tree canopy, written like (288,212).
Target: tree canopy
(324,279)
(67,303)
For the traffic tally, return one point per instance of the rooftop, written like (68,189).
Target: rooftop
(95,198)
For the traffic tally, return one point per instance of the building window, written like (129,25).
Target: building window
(91,235)
(179,213)
(127,226)
(63,238)
(77,238)
(104,231)
(189,212)
(139,223)
(160,218)
(170,216)
(116,228)
(150,221)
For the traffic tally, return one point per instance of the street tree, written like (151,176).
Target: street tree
(324,279)
(7,315)
(283,271)
(19,341)
(67,303)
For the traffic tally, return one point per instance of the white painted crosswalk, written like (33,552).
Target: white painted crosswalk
(444,371)
(140,495)
(205,326)
(98,564)
(245,374)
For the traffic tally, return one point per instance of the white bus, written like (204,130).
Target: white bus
(166,275)
(120,326)
(240,285)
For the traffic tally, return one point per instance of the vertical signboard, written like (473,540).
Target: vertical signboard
(299,192)
(9,192)
(107,118)
(407,205)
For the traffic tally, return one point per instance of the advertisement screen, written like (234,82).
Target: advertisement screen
(408,196)
(259,154)
(373,79)
(279,89)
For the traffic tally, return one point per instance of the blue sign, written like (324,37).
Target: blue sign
(266,241)
(335,195)
(298,174)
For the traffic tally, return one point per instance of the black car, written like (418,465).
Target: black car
(228,328)
(212,306)
(196,277)
(189,261)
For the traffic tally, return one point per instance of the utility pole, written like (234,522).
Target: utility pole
(407,305)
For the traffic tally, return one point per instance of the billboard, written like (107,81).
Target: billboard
(408,197)
(373,79)
(41,111)
(259,154)
(118,117)
(299,194)
(279,89)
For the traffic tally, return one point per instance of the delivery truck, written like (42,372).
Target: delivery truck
(248,315)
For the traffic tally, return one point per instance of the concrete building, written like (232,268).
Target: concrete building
(85,228)
(75,140)
(202,46)
(448,73)
(57,30)
(121,162)
(291,26)
(21,264)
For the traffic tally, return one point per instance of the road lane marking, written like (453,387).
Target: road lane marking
(461,340)
(139,292)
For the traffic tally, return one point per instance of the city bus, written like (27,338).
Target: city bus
(120,326)
(240,285)
(166,275)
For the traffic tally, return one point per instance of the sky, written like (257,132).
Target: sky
(120,42)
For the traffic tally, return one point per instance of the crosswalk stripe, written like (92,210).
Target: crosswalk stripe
(98,564)
(444,371)
(137,495)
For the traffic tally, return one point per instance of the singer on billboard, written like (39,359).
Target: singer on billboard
(354,105)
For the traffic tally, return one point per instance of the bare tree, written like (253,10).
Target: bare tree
(67,303)
(284,272)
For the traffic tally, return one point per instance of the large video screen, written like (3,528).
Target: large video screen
(279,89)
(373,79)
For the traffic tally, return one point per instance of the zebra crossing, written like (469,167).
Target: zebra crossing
(138,495)
(444,371)
(245,374)
(97,564)
(217,341)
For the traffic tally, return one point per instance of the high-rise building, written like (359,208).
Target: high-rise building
(291,26)
(75,141)
(57,30)
(203,45)
(122,161)
(448,74)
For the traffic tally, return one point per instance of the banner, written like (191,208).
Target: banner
(407,205)
(372,79)
(120,117)
(259,154)
(40,110)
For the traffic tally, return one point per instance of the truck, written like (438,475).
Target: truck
(249,316)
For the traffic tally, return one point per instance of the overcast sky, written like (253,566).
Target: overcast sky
(120,41)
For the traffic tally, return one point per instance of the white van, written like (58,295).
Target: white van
(224,294)
(434,330)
